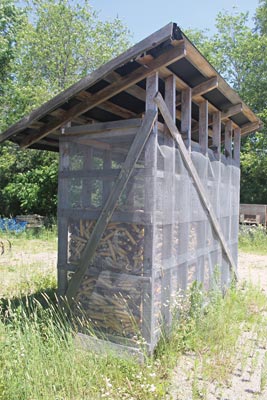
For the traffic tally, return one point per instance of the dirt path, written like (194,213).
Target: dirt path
(249,377)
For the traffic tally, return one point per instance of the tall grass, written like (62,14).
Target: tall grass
(40,358)
(253,239)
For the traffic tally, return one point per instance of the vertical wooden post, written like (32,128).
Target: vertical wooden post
(186,109)
(203,127)
(237,143)
(62,220)
(228,139)
(168,203)
(106,183)
(148,327)
(87,186)
(216,134)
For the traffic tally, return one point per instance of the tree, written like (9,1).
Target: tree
(46,46)
(239,54)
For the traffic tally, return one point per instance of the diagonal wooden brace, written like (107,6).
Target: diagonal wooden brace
(197,182)
(133,155)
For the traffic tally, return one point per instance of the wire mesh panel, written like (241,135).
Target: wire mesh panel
(159,240)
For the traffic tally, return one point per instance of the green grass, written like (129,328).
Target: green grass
(40,359)
(253,239)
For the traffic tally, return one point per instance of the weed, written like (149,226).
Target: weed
(253,239)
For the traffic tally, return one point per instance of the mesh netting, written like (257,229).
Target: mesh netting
(159,240)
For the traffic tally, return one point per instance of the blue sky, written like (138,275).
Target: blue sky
(143,17)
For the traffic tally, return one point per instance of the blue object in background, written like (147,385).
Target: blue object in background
(11,225)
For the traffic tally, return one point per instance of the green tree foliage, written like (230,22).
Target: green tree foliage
(45,46)
(239,54)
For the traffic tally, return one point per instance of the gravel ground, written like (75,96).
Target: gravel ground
(245,382)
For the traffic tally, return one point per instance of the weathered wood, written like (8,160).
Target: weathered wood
(169,198)
(250,127)
(63,221)
(106,183)
(148,324)
(236,109)
(151,41)
(237,143)
(216,134)
(186,117)
(198,184)
(171,55)
(109,207)
(201,89)
(203,126)
(102,127)
(228,139)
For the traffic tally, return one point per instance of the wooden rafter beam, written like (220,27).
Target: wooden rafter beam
(170,56)
(201,89)
(236,109)
(250,127)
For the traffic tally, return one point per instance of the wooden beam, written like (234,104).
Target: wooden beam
(237,143)
(203,127)
(197,182)
(103,127)
(109,106)
(170,56)
(186,116)
(236,109)
(110,205)
(216,134)
(201,89)
(228,139)
(250,127)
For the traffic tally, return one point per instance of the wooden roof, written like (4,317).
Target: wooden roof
(116,91)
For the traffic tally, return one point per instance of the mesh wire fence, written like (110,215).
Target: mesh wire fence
(160,239)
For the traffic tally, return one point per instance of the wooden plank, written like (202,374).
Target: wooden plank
(216,134)
(197,182)
(100,127)
(109,207)
(186,117)
(169,199)
(171,55)
(87,182)
(236,109)
(109,106)
(148,320)
(228,139)
(106,183)
(203,126)
(152,41)
(202,88)
(62,220)
(250,127)
(237,143)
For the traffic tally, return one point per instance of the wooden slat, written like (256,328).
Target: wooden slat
(201,89)
(228,139)
(236,109)
(250,127)
(109,207)
(102,127)
(197,182)
(186,116)
(203,126)
(216,134)
(237,142)
(142,72)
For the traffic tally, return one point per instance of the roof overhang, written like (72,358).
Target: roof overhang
(116,91)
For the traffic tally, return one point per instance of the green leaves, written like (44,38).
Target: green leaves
(239,53)
(44,48)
